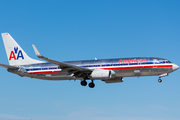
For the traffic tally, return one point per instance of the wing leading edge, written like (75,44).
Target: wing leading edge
(62,65)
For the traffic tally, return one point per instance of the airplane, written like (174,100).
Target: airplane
(107,70)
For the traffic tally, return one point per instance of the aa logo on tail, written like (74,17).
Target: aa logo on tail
(15,53)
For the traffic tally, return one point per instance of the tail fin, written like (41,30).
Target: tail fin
(15,54)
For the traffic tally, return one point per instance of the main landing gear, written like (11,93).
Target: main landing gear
(91,84)
(83,83)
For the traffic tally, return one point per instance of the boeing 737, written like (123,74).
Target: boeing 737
(107,70)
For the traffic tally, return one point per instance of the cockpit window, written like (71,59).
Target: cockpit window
(166,61)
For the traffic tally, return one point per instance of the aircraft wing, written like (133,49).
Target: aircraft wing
(62,65)
(9,66)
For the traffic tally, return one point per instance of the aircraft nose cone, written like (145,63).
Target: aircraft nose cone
(175,67)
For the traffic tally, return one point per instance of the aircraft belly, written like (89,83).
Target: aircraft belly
(133,72)
(52,76)
(62,77)
(159,71)
(142,72)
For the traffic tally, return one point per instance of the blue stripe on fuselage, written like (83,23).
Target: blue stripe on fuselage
(55,67)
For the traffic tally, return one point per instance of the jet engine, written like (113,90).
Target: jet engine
(114,80)
(102,74)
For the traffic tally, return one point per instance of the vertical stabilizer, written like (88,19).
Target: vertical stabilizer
(15,54)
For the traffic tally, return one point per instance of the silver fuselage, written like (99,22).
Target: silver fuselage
(123,67)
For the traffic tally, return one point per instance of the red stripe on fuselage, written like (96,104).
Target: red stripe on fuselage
(137,67)
(109,68)
(44,72)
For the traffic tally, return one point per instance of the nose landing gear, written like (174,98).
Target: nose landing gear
(159,80)
(162,75)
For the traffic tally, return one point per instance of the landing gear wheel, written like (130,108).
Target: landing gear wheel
(83,83)
(159,80)
(91,85)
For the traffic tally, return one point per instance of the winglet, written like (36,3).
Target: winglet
(61,64)
(38,54)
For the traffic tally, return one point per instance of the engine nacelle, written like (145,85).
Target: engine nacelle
(102,74)
(114,80)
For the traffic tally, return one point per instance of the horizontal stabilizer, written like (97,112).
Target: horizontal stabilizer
(9,66)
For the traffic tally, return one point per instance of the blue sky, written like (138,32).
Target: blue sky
(80,30)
